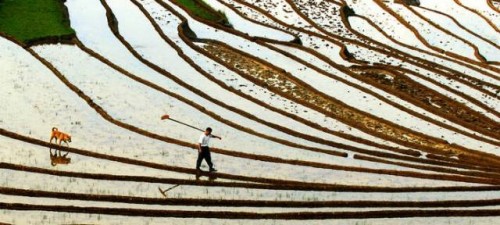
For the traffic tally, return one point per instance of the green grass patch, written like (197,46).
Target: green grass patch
(29,20)
(201,9)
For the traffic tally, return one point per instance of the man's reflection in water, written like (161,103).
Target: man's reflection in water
(211,176)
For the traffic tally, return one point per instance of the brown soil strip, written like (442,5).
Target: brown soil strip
(282,185)
(490,23)
(247,203)
(430,168)
(477,52)
(484,180)
(476,48)
(157,180)
(296,40)
(459,25)
(424,41)
(251,215)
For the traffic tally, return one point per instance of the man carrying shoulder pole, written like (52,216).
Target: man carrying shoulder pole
(204,150)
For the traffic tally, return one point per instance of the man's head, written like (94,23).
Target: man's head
(208,131)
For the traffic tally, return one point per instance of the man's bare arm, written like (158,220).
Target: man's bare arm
(217,137)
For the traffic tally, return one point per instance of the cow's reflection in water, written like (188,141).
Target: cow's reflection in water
(56,159)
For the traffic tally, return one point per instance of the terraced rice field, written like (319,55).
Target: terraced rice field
(331,112)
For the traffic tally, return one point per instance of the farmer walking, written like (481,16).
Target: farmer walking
(204,150)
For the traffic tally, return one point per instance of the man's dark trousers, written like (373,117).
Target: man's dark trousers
(204,154)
